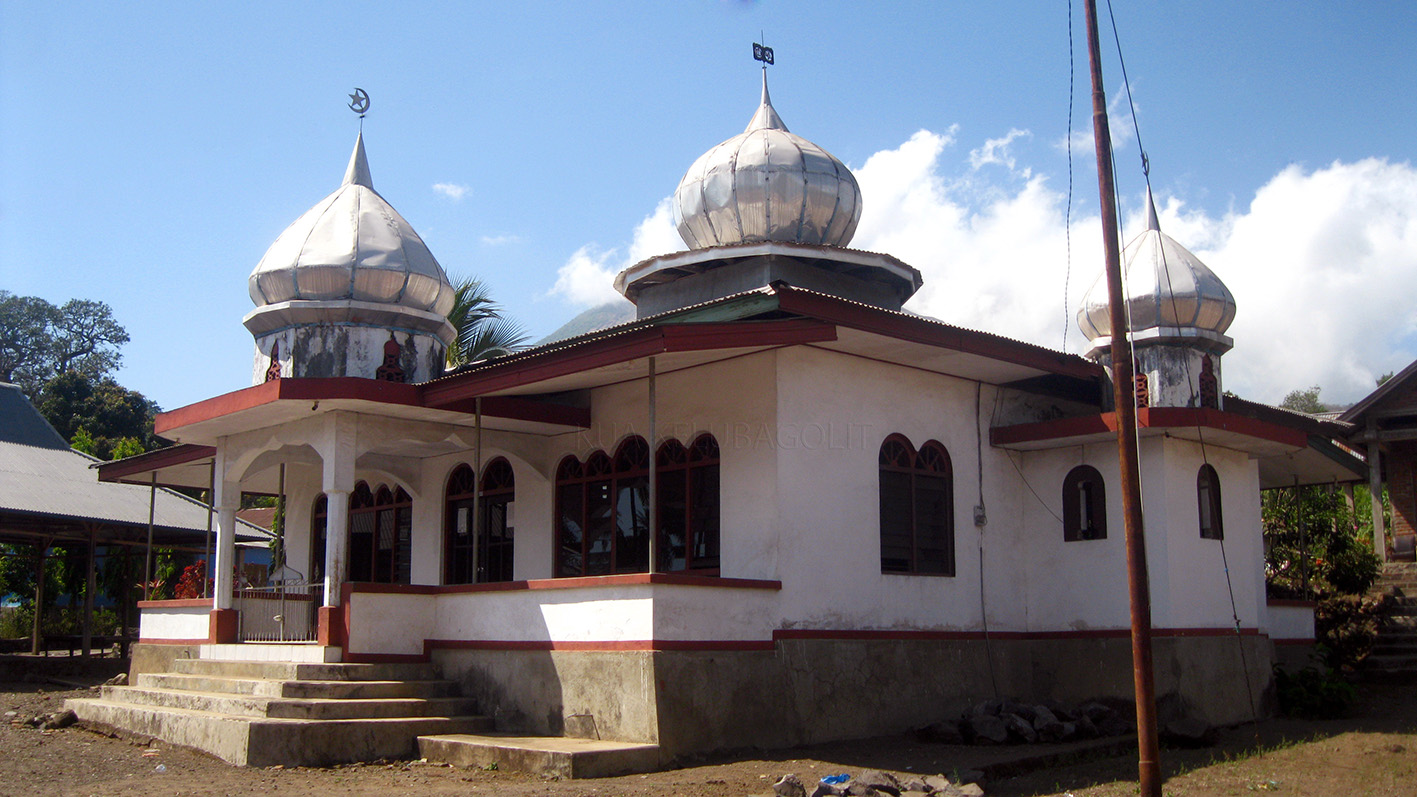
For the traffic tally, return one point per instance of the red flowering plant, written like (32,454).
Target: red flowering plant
(193,582)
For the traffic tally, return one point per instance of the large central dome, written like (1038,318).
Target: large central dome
(767,184)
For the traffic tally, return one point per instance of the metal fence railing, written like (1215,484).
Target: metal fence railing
(281,612)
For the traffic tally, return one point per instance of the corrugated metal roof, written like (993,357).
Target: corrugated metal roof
(59,483)
(23,424)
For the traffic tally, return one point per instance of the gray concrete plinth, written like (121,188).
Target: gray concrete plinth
(558,757)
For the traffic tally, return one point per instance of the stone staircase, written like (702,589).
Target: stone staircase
(259,712)
(264,713)
(1394,655)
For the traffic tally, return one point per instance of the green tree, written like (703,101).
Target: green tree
(105,411)
(39,341)
(482,330)
(1304,401)
(26,340)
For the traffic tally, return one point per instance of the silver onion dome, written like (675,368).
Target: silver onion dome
(767,184)
(352,245)
(1171,294)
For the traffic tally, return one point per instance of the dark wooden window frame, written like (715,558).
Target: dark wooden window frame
(916,489)
(689,526)
(601,509)
(1210,517)
(498,490)
(1084,505)
(388,514)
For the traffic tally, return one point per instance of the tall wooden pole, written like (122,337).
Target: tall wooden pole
(1123,393)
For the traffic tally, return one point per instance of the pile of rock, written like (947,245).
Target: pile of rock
(52,720)
(1013,722)
(875,783)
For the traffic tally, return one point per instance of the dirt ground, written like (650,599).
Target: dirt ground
(1374,752)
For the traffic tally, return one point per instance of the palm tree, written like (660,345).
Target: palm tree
(482,332)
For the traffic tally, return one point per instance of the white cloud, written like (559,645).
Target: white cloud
(452,191)
(500,240)
(993,257)
(996,150)
(587,278)
(1322,263)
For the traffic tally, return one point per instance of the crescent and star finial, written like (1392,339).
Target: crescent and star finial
(359,102)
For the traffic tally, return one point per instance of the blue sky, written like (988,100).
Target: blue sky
(149,154)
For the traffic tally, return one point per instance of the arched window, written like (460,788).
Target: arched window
(1208,500)
(602,513)
(917,508)
(602,509)
(380,535)
(493,551)
(498,502)
(687,487)
(1084,505)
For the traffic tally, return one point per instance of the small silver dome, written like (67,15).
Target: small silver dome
(352,245)
(1171,294)
(767,184)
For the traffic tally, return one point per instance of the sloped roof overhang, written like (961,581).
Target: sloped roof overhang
(526,391)
(1202,425)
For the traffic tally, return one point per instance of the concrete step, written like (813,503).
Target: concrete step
(306,671)
(308,689)
(1403,643)
(1383,661)
(290,708)
(552,756)
(261,742)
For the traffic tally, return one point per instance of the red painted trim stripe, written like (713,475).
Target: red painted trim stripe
(625,347)
(609,646)
(934,333)
(591,582)
(153,460)
(152,641)
(945,636)
(179,603)
(1148,418)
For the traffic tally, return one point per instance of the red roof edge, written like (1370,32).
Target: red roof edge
(932,332)
(118,470)
(1149,418)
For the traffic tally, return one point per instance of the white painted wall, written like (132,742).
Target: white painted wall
(1290,623)
(174,622)
(396,623)
(828,515)
(1078,585)
(799,430)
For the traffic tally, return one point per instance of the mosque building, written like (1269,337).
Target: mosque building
(864,519)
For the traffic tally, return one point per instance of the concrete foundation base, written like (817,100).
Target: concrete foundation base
(816,690)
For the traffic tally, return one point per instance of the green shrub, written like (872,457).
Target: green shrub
(16,622)
(1346,628)
(1313,693)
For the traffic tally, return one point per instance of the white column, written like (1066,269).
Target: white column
(337,453)
(336,543)
(1375,486)
(227,498)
